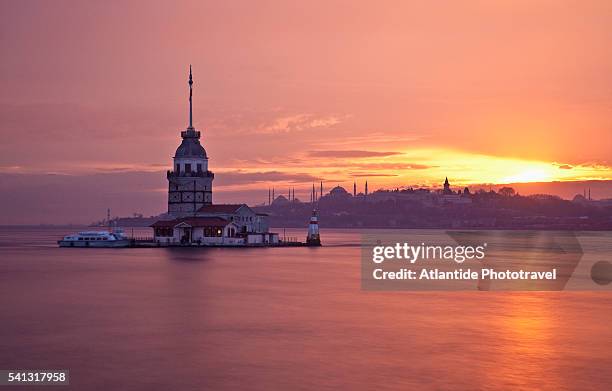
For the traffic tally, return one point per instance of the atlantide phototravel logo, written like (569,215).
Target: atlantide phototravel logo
(486,260)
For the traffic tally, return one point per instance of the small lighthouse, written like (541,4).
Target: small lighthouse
(313,238)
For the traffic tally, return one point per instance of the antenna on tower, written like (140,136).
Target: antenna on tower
(190,99)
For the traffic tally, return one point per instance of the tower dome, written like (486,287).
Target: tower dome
(190,147)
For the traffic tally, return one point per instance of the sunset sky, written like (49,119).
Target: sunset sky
(94,95)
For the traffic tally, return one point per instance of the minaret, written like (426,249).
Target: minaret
(354,189)
(366,188)
(314,194)
(269,196)
(321,189)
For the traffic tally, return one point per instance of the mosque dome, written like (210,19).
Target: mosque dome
(579,198)
(338,191)
(280,200)
(190,148)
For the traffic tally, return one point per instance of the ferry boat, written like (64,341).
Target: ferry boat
(115,238)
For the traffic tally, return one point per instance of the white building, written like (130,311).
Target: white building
(231,225)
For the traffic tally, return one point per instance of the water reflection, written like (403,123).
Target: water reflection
(180,254)
(525,358)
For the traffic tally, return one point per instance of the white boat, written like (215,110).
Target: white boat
(115,238)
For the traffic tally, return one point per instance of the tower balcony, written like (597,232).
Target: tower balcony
(192,174)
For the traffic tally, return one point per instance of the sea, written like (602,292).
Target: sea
(292,318)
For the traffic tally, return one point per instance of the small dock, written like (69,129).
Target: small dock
(143,242)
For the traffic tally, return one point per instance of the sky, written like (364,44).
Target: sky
(93,96)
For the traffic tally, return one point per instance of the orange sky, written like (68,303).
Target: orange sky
(398,93)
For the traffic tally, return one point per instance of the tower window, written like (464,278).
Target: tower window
(178,168)
(199,167)
(187,168)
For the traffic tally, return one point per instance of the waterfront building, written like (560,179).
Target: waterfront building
(223,224)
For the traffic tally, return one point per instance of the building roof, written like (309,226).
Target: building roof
(221,208)
(190,148)
(192,221)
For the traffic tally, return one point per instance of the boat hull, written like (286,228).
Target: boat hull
(94,243)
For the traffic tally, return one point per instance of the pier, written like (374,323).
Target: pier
(141,242)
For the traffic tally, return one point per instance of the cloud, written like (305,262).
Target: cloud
(240,177)
(394,166)
(598,166)
(565,166)
(275,161)
(298,122)
(324,122)
(373,137)
(371,174)
(350,153)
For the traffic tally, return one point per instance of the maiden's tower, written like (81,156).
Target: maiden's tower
(190,181)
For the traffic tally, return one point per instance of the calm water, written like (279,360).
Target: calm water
(281,319)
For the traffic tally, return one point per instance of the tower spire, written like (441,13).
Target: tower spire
(190,99)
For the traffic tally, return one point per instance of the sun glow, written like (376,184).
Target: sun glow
(530,175)
(423,167)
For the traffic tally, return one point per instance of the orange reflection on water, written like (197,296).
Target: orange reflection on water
(525,358)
